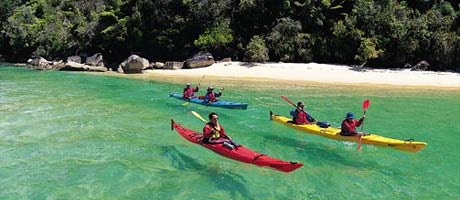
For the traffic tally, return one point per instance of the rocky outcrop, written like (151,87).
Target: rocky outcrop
(201,59)
(74,66)
(134,64)
(39,63)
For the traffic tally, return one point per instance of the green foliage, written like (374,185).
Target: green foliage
(367,50)
(215,37)
(386,33)
(256,51)
(288,43)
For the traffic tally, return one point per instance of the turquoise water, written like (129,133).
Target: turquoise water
(79,136)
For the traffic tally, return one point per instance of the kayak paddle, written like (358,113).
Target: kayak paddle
(366,104)
(199,116)
(201,79)
(289,101)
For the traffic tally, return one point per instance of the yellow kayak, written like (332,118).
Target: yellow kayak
(334,133)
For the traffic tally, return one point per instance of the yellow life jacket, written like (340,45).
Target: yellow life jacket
(216,134)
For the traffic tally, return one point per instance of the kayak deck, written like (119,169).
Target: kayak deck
(334,133)
(219,103)
(241,153)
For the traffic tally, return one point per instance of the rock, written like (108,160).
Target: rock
(74,66)
(407,66)
(421,66)
(57,65)
(39,63)
(159,65)
(95,60)
(76,59)
(173,65)
(150,66)
(134,64)
(201,59)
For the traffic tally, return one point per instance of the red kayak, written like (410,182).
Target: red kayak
(241,153)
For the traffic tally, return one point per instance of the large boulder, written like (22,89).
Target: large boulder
(95,60)
(134,64)
(201,59)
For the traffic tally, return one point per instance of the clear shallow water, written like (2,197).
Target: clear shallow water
(78,136)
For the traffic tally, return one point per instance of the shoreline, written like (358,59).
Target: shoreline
(317,74)
(299,74)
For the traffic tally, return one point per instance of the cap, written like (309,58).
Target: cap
(300,103)
(188,84)
(210,88)
(350,115)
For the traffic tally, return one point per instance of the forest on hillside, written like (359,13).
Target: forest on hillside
(379,34)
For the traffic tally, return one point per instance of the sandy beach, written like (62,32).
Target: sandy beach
(320,73)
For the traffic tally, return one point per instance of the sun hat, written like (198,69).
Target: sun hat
(350,115)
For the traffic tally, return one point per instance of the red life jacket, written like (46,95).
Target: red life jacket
(350,127)
(301,118)
(210,97)
(188,92)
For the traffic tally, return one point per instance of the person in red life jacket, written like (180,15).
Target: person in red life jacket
(349,125)
(214,133)
(189,92)
(300,116)
(211,96)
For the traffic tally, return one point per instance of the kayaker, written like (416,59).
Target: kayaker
(300,116)
(211,96)
(349,125)
(214,133)
(189,92)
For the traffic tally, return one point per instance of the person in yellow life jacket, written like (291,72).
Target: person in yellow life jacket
(214,133)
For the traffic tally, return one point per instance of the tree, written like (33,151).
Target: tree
(256,51)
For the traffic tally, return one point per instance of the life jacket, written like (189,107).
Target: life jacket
(210,97)
(349,126)
(216,134)
(301,117)
(188,92)
(216,131)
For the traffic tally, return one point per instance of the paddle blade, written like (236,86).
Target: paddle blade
(186,103)
(199,116)
(289,101)
(366,104)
